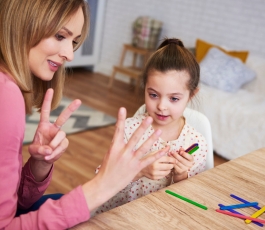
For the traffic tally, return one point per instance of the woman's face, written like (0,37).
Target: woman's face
(46,57)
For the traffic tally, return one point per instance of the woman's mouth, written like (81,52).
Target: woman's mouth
(54,65)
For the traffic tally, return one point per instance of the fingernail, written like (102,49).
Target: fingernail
(122,110)
(48,157)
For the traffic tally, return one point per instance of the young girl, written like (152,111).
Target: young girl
(170,80)
(36,38)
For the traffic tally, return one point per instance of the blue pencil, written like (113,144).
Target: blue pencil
(244,201)
(233,211)
(245,205)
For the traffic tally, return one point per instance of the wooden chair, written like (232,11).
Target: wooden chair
(134,71)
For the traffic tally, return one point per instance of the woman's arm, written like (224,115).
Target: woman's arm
(121,163)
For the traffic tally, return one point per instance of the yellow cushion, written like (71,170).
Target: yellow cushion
(202,48)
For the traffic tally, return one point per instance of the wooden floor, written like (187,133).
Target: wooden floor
(86,149)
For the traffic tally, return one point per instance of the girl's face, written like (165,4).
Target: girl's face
(46,57)
(166,96)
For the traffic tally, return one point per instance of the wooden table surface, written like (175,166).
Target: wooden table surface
(243,177)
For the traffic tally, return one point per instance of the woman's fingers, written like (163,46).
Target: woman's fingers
(64,116)
(139,133)
(46,106)
(119,130)
(41,150)
(57,152)
(144,148)
(59,137)
(56,147)
(58,144)
(150,159)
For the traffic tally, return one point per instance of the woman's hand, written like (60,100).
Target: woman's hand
(49,141)
(157,170)
(121,163)
(184,162)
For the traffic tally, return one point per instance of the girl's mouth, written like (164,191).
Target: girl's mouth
(161,117)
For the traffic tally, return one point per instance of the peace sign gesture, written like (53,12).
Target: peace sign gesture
(49,141)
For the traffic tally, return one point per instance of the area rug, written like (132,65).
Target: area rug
(84,118)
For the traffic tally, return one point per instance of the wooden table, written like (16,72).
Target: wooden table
(244,177)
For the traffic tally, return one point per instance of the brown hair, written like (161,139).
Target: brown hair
(172,55)
(23,24)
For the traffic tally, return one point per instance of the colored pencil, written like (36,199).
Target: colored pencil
(193,150)
(187,200)
(191,147)
(233,211)
(239,216)
(243,201)
(256,214)
(245,205)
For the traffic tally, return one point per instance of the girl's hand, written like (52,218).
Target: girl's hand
(184,162)
(49,141)
(159,169)
(121,163)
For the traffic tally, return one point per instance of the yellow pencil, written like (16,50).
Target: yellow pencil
(256,214)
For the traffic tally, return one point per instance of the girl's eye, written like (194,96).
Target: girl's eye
(174,99)
(153,95)
(59,37)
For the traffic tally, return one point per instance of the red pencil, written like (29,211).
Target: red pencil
(240,216)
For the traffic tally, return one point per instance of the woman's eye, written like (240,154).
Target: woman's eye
(75,43)
(59,37)
(174,99)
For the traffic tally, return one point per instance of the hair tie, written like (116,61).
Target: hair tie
(175,41)
(169,41)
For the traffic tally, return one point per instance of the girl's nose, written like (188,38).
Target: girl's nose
(67,52)
(162,105)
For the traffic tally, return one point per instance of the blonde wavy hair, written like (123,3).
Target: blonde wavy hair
(23,24)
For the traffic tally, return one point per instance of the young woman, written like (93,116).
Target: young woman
(37,37)
(170,80)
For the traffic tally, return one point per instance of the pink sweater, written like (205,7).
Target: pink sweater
(17,184)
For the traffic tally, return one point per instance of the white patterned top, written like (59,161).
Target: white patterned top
(144,186)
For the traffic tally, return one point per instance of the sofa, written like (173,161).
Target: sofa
(232,96)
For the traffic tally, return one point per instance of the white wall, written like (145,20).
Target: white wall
(237,24)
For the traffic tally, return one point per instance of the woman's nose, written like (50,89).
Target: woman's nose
(67,52)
